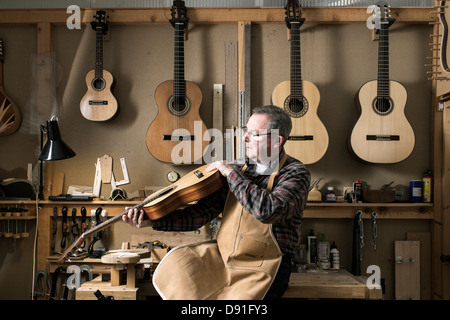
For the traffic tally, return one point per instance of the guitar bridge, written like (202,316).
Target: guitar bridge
(301,138)
(177,137)
(383,137)
(98,102)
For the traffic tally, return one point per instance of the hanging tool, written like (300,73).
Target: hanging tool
(74,228)
(64,227)
(56,274)
(374,231)
(41,283)
(358,243)
(83,224)
(97,236)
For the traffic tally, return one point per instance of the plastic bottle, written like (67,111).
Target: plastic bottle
(335,260)
(323,253)
(312,247)
(427,187)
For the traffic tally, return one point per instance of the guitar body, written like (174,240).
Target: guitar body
(444,53)
(98,104)
(168,129)
(308,141)
(193,186)
(382,137)
(10,117)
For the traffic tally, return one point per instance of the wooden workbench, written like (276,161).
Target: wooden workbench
(330,284)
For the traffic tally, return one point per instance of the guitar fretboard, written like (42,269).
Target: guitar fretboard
(99,53)
(383,61)
(296,62)
(179,83)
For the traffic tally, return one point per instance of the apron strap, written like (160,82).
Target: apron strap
(272,176)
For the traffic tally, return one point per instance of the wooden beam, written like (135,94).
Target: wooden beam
(337,15)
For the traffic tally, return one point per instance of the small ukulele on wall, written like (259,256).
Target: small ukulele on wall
(99,104)
(308,141)
(10,117)
(178,121)
(382,133)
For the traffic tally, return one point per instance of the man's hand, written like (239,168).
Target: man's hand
(222,166)
(135,217)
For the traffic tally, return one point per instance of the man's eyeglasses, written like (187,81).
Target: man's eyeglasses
(252,134)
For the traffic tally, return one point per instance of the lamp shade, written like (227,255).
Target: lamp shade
(55,148)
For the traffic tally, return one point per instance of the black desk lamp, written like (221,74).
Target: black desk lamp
(54,149)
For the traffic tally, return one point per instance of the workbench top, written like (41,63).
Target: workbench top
(330,284)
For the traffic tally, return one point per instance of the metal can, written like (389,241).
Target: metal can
(415,190)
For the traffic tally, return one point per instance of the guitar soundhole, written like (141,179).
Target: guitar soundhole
(296,107)
(382,105)
(98,84)
(178,106)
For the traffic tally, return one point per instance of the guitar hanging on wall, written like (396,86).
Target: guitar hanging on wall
(99,104)
(178,104)
(308,141)
(444,56)
(382,133)
(10,117)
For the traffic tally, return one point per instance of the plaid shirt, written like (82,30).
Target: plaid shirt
(282,207)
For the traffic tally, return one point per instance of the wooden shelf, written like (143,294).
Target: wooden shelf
(384,210)
(321,210)
(333,15)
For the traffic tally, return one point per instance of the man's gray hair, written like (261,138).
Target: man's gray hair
(278,119)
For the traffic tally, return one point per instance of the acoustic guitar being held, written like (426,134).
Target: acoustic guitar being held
(382,133)
(10,117)
(308,141)
(194,186)
(178,104)
(99,104)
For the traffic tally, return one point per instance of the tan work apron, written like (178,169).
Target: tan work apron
(241,264)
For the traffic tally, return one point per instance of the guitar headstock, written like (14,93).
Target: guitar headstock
(100,21)
(179,13)
(293,13)
(382,11)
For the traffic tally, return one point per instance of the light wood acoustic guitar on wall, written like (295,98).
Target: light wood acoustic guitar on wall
(10,117)
(308,140)
(178,104)
(382,133)
(99,104)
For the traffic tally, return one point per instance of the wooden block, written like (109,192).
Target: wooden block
(328,285)
(425,262)
(57,183)
(407,270)
(131,276)
(106,168)
(87,289)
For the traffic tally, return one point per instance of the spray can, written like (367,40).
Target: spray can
(427,187)
(312,247)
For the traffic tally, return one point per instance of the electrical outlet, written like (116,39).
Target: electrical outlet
(346,190)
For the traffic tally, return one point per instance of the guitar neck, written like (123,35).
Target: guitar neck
(1,63)
(99,53)
(179,82)
(296,62)
(383,61)
(101,226)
